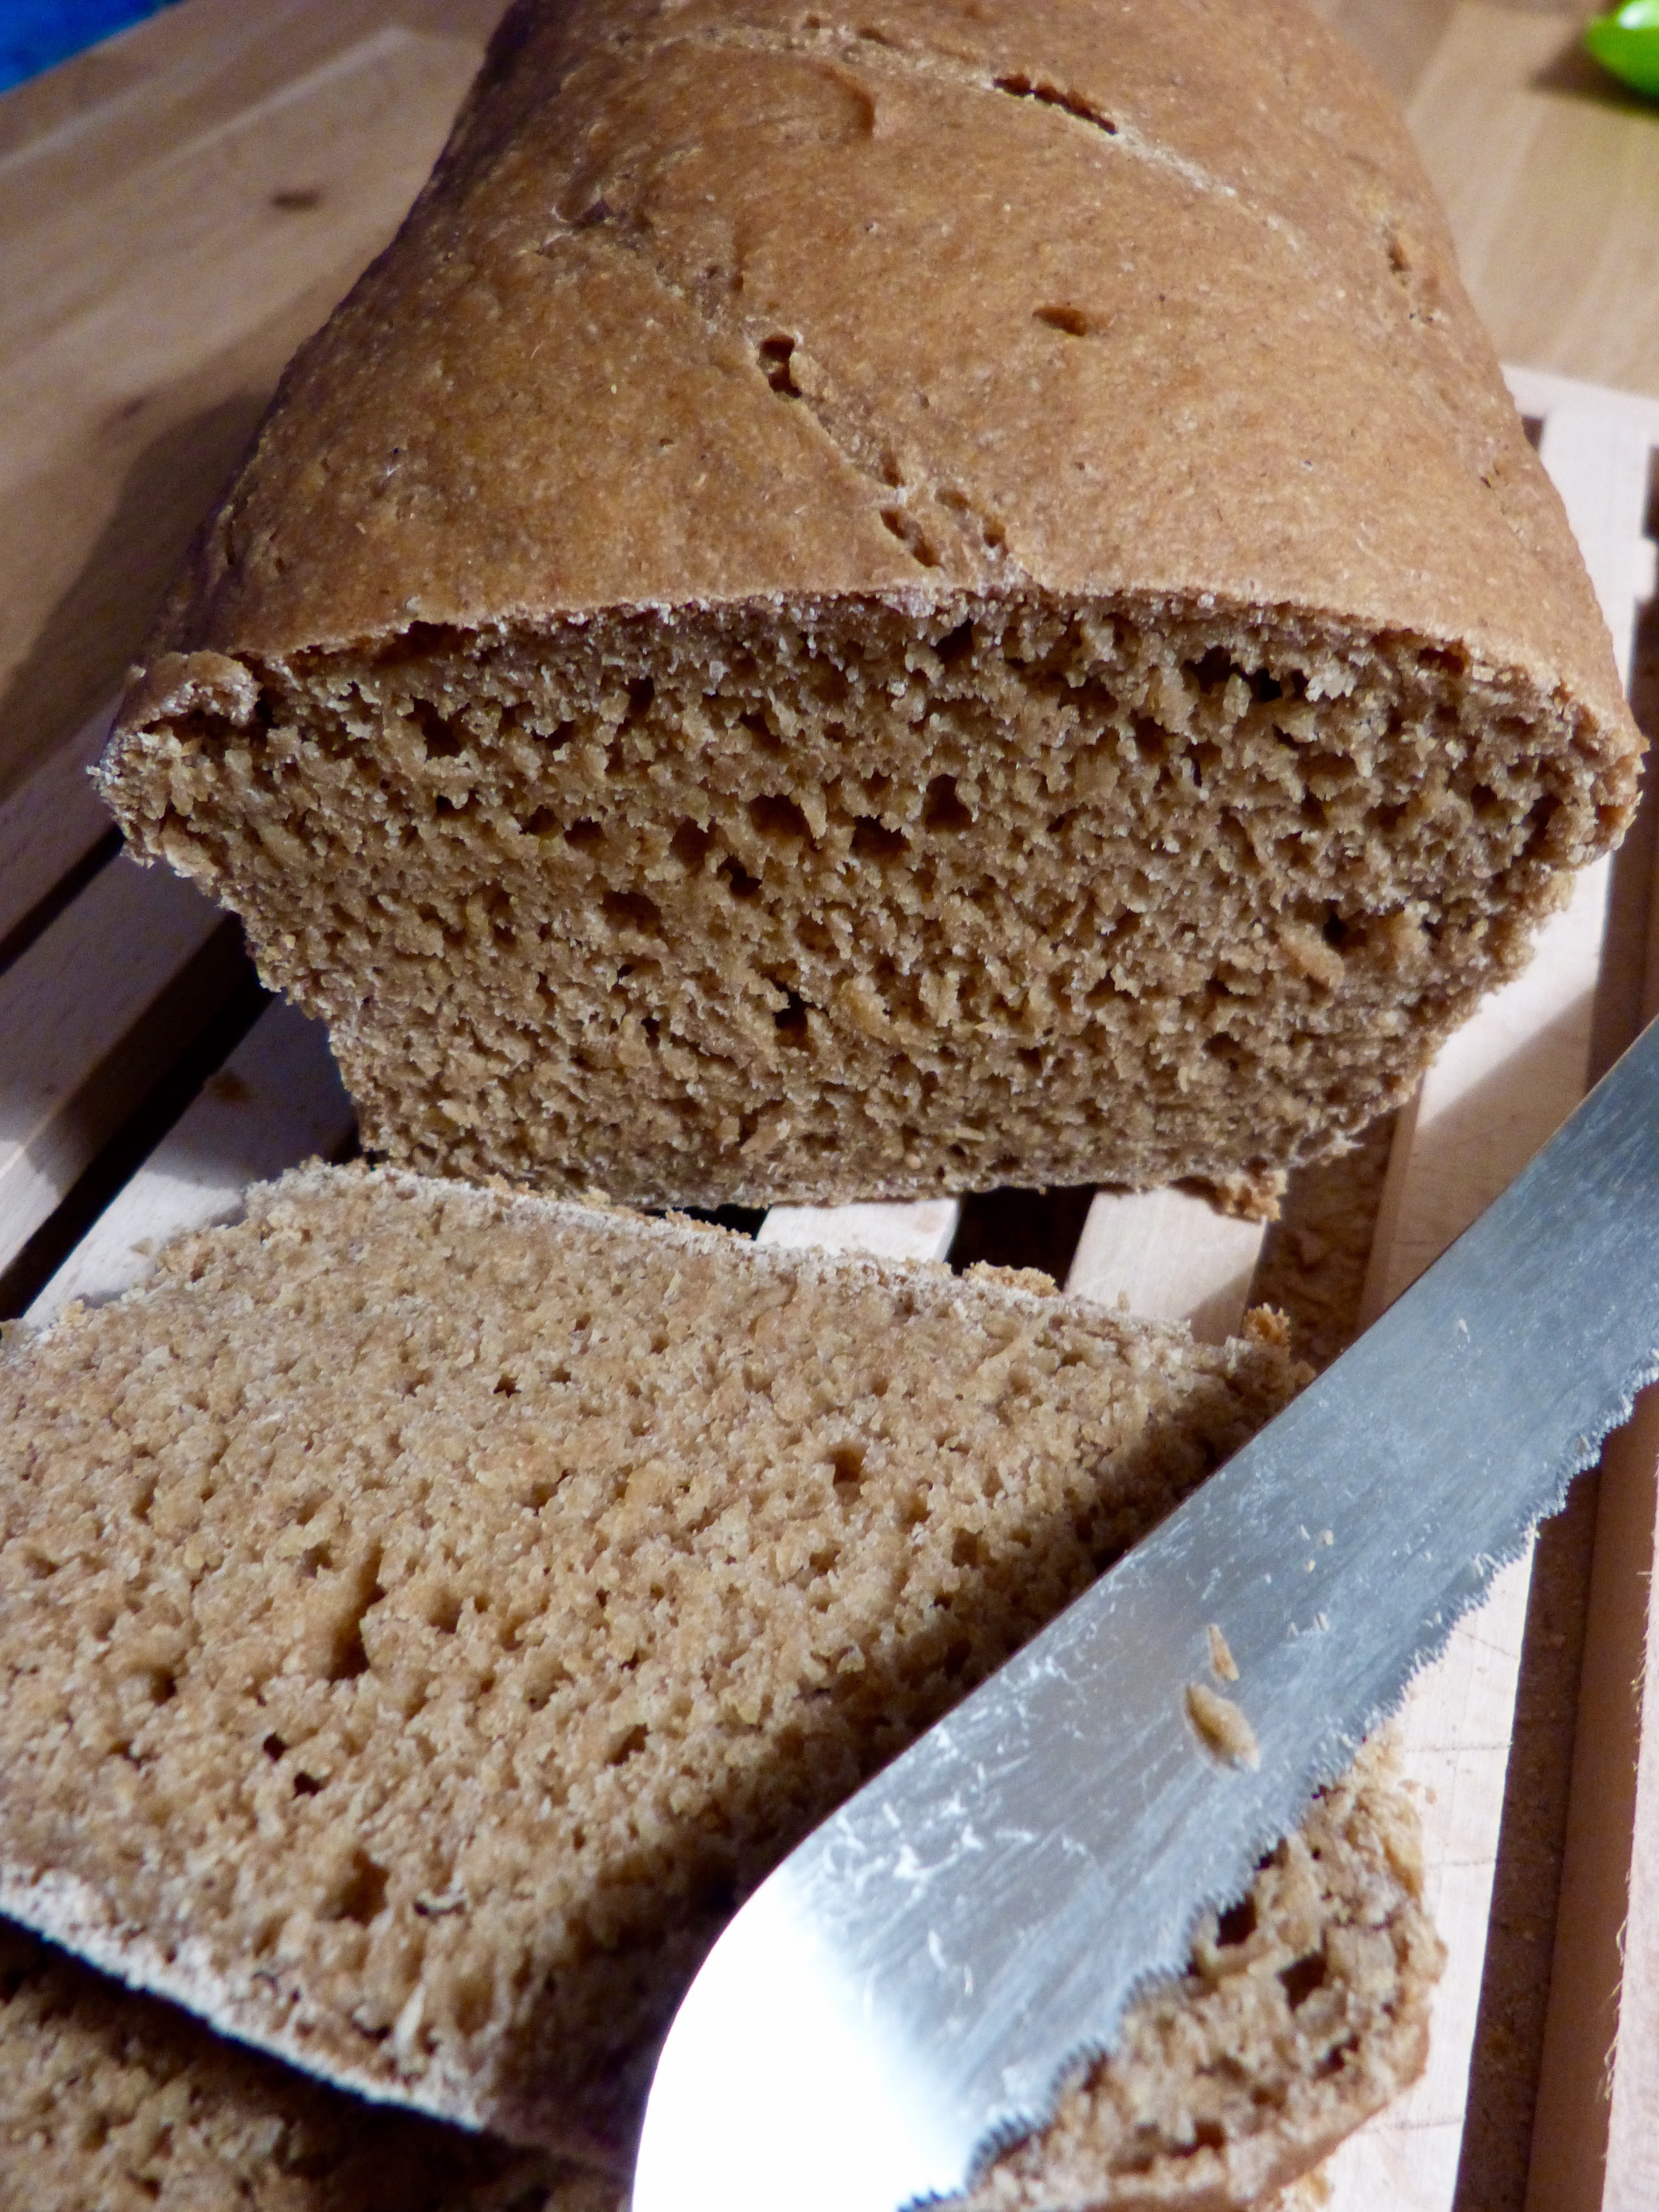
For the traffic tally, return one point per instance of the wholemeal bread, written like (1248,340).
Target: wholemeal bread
(1301,2011)
(111,2101)
(424,1612)
(876,600)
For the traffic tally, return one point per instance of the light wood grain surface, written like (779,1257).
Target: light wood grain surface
(167,237)
(920,1230)
(1170,1255)
(1550,173)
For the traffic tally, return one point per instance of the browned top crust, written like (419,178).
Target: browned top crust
(745,299)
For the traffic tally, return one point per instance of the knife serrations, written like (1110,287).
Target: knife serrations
(911,1987)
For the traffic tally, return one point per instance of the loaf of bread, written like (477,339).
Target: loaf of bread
(869,601)
(424,1612)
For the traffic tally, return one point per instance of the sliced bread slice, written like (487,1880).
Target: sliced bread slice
(423,1611)
(113,2101)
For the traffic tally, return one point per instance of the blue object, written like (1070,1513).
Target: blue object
(35,33)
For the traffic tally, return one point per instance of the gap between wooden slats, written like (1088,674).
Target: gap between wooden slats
(277,1100)
(49,826)
(93,1013)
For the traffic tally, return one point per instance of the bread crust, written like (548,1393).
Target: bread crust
(637,199)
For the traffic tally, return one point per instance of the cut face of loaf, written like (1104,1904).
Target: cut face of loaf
(1000,891)
(425,1612)
(873,603)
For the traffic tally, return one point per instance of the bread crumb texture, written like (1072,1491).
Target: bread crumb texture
(1305,2009)
(111,2101)
(424,1612)
(866,604)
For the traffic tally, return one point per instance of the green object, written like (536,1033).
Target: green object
(1626,41)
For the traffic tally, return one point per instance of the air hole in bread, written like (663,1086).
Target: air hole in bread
(1237,1923)
(444,1611)
(359,1894)
(632,910)
(873,841)
(441,737)
(775,358)
(689,845)
(344,1655)
(761,730)
(1302,1978)
(1071,321)
(737,878)
(776,817)
(848,1462)
(941,809)
(474,1997)
(790,1021)
(629,1746)
(419,641)
(911,535)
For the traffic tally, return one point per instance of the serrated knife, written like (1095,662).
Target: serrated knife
(911,1986)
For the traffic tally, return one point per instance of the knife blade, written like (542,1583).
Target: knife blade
(909,1990)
